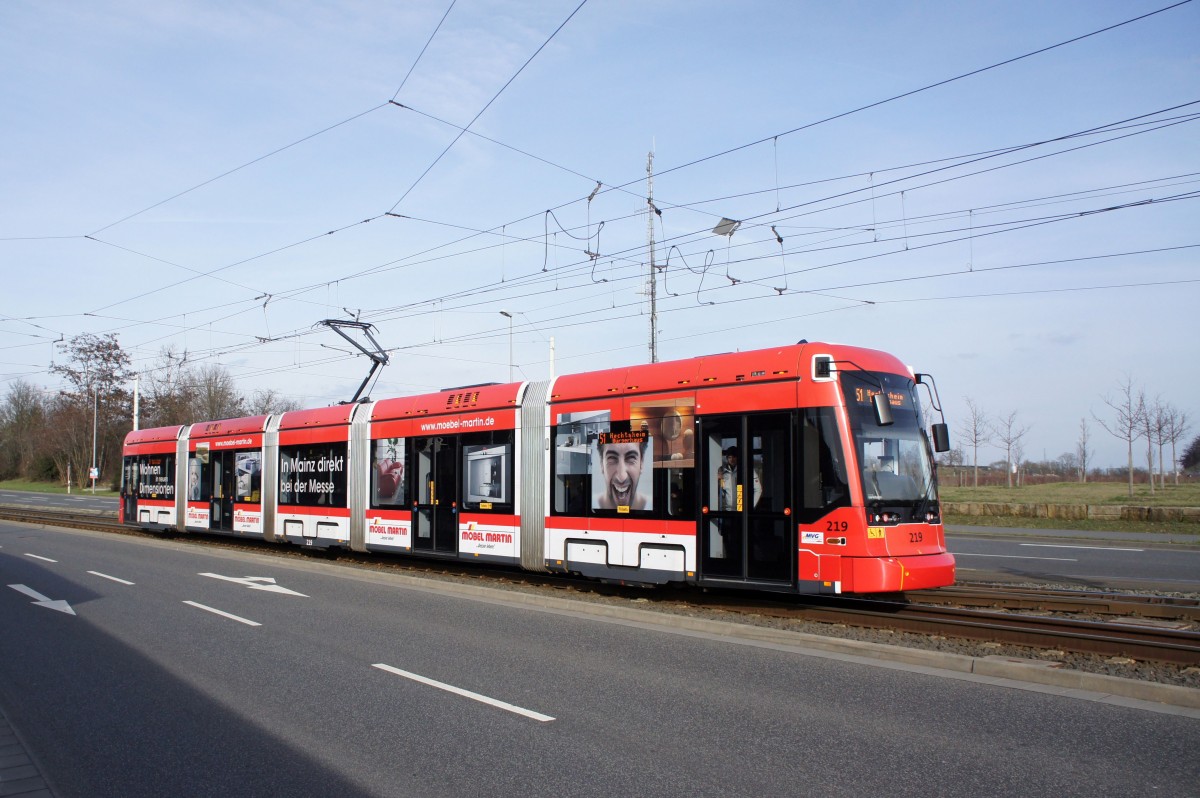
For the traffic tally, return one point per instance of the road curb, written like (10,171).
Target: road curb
(20,774)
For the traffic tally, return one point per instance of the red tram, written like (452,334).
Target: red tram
(804,468)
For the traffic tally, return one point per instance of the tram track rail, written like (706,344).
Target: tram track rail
(1062,601)
(1131,637)
(1134,627)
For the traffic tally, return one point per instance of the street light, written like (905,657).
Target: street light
(508,315)
(94,472)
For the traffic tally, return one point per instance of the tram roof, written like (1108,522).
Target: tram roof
(228,426)
(153,435)
(452,400)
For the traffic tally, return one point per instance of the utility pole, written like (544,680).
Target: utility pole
(653,287)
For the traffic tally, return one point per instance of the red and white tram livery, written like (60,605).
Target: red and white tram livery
(805,468)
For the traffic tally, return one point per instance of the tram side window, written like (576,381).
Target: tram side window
(196,488)
(313,475)
(670,425)
(574,438)
(248,483)
(770,470)
(680,493)
(723,469)
(387,472)
(823,483)
(156,477)
(622,470)
(488,471)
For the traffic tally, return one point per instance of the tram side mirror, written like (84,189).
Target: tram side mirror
(883,410)
(941,437)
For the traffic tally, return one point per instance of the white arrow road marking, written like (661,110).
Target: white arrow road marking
(449,688)
(42,601)
(39,557)
(230,616)
(257,583)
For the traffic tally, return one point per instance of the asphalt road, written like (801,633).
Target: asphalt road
(361,683)
(1083,560)
(79,500)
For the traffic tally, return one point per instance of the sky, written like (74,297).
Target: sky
(1002,194)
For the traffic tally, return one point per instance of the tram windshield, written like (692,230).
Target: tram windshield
(894,460)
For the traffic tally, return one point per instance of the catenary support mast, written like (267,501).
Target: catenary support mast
(652,288)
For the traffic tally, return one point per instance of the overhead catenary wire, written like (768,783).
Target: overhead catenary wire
(486,106)
(577,315)
(253,306)
(710,157)
(421,54)
(312,238)
(345,228)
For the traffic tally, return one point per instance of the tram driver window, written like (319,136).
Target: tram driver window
(823,466)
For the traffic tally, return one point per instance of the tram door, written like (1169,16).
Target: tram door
(223,477)
(435,523)
(746,533)
(130,486)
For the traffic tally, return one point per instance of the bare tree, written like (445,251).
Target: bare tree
(90,417)
(22,430)
(1177,427)
(179,393)
(1162,420)
(268,401)
(1146,429)
(215,395)
(1083,452)
(954,459)
(977,432)
(1010,433)
(165,398)
(1129,405)
(1018,464)
(1068,463)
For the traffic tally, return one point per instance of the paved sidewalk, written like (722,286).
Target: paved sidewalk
(19,776)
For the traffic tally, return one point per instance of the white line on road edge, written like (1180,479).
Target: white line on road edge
(1013,556)
(224,614)
(106,576)
(1089,548)
(529,713)
(39,557)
